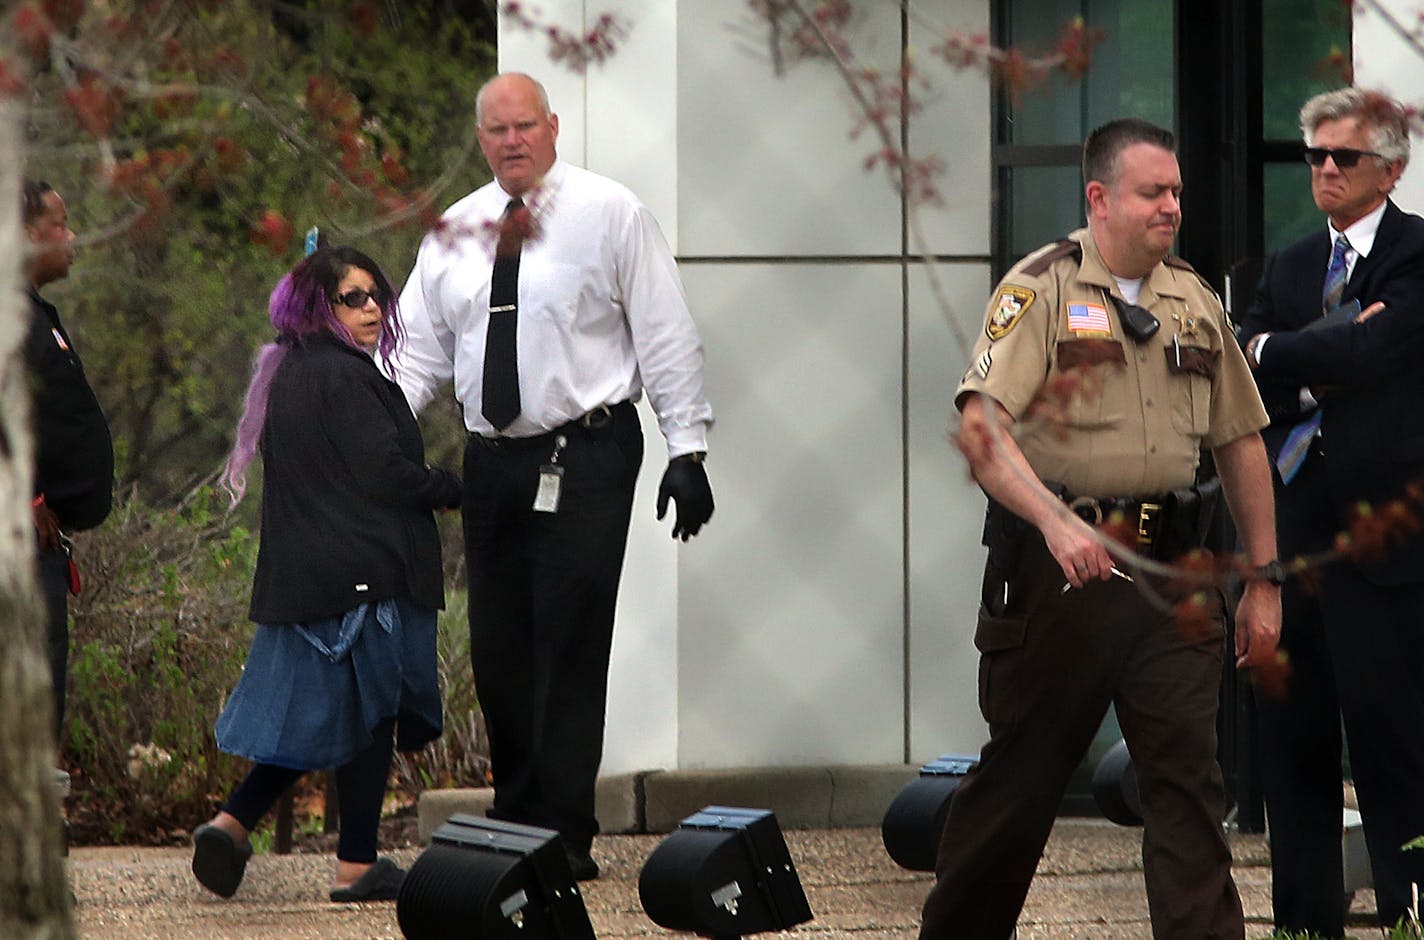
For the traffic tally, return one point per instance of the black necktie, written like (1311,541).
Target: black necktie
(499,396)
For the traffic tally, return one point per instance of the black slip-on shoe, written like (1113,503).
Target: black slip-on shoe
(219,860)
(581,863)
(382,882)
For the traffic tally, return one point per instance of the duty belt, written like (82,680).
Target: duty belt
(1148,513)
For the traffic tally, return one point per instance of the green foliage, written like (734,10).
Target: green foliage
(238,126)
(305,826)
(460,757)
(194,143)
(158,638)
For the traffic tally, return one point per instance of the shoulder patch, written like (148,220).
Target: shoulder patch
(1009,306)
(1063,248)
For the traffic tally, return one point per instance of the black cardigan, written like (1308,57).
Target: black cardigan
(347,496)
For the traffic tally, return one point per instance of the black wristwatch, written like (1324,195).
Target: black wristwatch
(1274,572)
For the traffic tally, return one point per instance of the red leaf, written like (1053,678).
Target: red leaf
(33,29)
(93,104)
(274,231)
(364,18)
(11,83)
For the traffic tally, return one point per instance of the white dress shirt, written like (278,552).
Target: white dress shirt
(1361,236)
(602,313)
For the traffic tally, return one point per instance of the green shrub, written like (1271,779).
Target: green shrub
(460,757)
(158,637)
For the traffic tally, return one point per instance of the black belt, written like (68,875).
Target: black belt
(1147,515)
(599,419)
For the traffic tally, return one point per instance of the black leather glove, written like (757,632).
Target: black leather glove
(686,482)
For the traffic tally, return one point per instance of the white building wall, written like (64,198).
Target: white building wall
(1385,61)
(825,615)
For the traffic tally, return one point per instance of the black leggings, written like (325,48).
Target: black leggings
(360,790)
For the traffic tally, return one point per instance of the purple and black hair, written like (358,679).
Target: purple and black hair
(300,307)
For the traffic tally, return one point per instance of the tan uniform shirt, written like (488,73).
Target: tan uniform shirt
(1098,412)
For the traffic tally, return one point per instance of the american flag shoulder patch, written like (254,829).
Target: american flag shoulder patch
(1088,318)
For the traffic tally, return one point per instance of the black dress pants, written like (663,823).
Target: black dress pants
(543,588)
(1051,663)
(1356,651)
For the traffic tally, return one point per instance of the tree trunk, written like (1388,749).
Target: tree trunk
(34,893)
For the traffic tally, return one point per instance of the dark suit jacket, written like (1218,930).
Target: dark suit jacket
(1372,373)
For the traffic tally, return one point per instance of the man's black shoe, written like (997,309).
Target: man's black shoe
(581,863)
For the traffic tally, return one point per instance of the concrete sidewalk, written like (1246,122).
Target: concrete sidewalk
(1089,887)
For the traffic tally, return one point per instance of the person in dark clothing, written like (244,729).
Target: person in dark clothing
(74,453)
(348,581)
(1333,338)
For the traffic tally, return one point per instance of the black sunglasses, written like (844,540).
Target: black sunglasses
(356,298)
(1344,157)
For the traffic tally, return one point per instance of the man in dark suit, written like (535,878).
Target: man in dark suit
(1345,393)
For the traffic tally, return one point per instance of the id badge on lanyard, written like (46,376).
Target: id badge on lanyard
(551,480)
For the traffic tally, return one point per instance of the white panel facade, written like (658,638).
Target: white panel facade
(1385,61)
(946,516)
(765,164)
(953,126)
(632,111)
(779,635)
(791,611)
(641,732)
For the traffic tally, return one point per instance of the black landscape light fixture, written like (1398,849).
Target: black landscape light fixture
(1115,787)
(724,872)
(485,879)
(913,823)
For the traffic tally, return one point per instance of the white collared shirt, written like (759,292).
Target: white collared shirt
(1361,235)
(602,313)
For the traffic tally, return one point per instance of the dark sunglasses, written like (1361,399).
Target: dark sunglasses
(1344,157)
(356,299)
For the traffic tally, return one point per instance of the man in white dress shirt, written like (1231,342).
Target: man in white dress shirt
(552,300)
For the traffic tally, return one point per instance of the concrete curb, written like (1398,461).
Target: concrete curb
(657,800)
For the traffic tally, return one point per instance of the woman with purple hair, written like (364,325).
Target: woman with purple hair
(348,579)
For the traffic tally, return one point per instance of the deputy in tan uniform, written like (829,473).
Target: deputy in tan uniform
(1104,366)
